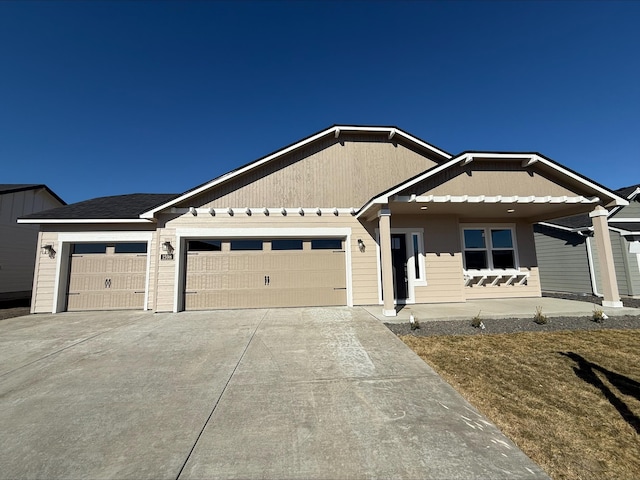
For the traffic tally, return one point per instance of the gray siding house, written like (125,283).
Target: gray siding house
(18,242)
(568,255)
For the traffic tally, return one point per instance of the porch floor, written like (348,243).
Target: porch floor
(496,308)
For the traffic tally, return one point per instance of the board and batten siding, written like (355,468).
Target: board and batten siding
(18,242)
(491,178)
(344,172)
(562,260)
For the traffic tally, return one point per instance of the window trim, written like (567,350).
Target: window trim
(487,228)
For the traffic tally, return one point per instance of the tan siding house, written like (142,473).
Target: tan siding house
(348,216)
(18,243)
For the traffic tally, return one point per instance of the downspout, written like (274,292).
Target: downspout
(592,272)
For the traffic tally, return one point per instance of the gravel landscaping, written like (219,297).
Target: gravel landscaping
(515,325)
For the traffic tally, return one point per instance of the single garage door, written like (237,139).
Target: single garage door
(107,276)
(249,273)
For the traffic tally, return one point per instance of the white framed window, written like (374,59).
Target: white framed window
(417,247)
(489,247)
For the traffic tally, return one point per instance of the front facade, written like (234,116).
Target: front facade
(348,216)
(18,242)
(568,254)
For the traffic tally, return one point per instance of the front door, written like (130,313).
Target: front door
(399,262)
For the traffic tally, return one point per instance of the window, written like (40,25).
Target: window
(88,248)
(326,244)
(286,244)
(488,248)
(138,247)
(416,255)
(246,244)
(204,245)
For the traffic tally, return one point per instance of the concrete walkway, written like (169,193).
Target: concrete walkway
(498,308)
(311,393)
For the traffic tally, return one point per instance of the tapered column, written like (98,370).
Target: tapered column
(384,223)
(605,258)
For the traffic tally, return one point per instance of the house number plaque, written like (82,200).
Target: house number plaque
(166,256)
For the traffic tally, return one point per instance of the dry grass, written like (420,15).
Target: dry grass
(569,400)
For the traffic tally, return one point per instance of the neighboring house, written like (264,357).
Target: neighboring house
(348,216)
(568,254)
(18,242)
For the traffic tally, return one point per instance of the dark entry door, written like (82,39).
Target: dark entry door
(399,262)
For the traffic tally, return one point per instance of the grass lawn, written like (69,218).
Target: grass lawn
(569,400)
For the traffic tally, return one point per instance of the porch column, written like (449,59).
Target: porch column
(384,223)
(605,258)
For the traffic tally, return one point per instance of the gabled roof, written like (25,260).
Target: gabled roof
(583,221)
(335,130)
(6,188)
(629,192)
(527,158)
(119,208)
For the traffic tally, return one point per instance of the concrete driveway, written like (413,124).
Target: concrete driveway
(283,393)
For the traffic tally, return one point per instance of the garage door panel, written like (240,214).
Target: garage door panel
(107,281)
(255,279)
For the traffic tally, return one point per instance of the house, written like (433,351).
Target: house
(18,242)
(568,254)
(350,215)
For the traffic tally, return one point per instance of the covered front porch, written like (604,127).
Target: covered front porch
(463,231)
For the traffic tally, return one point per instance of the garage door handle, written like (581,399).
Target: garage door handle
(267,280)
(339,288)
(107,283)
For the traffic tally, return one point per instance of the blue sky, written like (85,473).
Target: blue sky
(106,98)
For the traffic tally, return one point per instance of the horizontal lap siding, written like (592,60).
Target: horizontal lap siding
(562,260)
(444,279)
(164,290)
(45,276)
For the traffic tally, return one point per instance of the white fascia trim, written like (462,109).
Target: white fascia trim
(566,229)
(623,220)
(616,200)
(336,130)
(85,220)
(622,231)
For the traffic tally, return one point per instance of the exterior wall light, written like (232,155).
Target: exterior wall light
(192,211)
(48,250)
(167,247)
(361,245)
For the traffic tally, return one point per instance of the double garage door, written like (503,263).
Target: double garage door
(107,276)
(251,273)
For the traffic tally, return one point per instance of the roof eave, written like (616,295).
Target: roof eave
(83,220)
